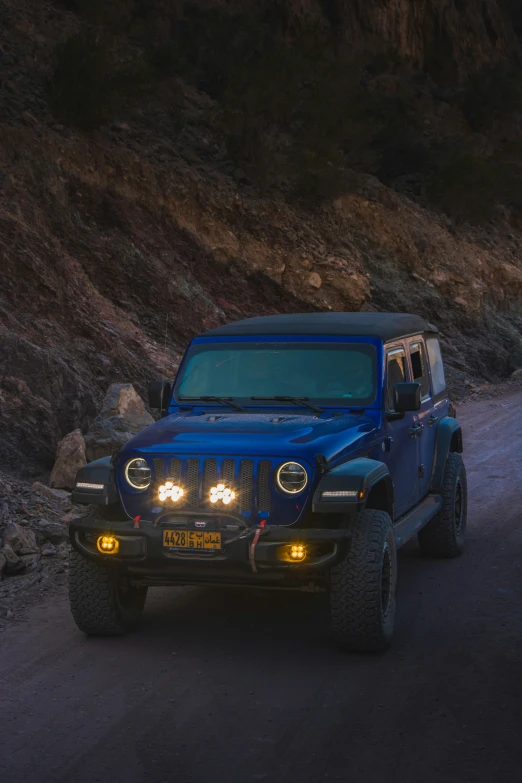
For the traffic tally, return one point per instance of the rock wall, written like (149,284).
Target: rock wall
(448,38)
(105,248)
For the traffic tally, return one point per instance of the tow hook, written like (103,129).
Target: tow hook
(252,553)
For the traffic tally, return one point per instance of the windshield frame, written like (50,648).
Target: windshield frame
(338,341)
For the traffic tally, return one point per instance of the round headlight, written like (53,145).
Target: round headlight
(137,473)
(291,477)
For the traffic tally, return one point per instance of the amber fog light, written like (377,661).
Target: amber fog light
(108,545)
(293,553)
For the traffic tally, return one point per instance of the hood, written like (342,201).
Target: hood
(275,433)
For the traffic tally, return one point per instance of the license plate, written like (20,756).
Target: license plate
(192,539)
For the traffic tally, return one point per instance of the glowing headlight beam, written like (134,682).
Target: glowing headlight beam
(171,491)
(220,492)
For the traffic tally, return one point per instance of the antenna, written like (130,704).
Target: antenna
(163,379)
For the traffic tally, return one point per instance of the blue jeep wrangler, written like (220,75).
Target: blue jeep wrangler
(293,451)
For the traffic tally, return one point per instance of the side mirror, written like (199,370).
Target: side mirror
(159,394)
(406,397)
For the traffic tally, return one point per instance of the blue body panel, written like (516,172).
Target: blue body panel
(198,434)
(209,431)
(253,436)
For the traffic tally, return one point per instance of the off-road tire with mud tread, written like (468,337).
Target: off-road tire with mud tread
(443,536)
(358,620)
(97,604)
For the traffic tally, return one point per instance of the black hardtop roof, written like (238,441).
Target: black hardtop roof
(384,326)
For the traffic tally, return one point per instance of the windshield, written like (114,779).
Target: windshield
(324,372)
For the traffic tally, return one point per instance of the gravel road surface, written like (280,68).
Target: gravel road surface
(219,685)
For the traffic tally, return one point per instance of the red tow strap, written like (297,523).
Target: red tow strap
(253,545)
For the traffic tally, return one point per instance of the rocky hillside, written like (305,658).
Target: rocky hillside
(448,39)
(119,242)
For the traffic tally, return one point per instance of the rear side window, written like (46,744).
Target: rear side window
(395,373)
(437,368)
(419,369)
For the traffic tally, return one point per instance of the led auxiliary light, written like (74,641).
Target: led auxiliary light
(341,494)
(170,490)
(221,493)
(298,552)
(108,545)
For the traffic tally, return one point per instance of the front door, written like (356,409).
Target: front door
(403,456)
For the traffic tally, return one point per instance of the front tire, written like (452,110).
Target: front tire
(103,602)
(362,586)
(444,535)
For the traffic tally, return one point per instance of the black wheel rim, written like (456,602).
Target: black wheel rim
(459,508)
(386,581)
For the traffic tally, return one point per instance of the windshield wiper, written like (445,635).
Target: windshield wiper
(295,400)
(222,400)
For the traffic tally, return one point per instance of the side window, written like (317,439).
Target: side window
(437,368)
(395,373)
(418,366)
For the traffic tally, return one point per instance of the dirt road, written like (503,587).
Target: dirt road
(221,685)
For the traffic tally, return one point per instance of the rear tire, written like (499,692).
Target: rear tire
(444,535)
(103,602)
(362,586)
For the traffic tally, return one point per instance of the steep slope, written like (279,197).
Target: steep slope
(116,248)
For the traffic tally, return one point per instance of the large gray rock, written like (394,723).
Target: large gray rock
(70,457)
(21,540)
(31,561)
(50,531)
(122,416)
(14,564)
(59,495)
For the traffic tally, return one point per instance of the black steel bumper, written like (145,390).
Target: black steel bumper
(142,554)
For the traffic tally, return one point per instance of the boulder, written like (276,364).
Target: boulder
(70,457)
(20,539)
(14,564)
(70,517)
(517,373)
(31,561)
(122,416)
(51,494)
(50,531)
(315,280)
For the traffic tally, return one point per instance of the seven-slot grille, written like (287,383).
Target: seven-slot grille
(197,477)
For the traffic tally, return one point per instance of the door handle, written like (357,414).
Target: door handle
(415,430)
(433,420)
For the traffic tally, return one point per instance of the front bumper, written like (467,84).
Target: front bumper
(142,554)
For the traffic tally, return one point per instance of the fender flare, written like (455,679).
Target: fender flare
(99,473)
(359,476)
(447,429)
